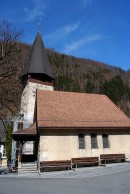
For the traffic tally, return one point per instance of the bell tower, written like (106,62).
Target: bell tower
(37,74)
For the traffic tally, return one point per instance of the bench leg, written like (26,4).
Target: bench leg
(72,167)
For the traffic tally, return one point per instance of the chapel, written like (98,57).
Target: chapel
(58,125)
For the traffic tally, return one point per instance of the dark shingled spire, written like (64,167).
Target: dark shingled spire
(38,64)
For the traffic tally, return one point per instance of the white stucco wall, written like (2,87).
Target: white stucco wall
(28,99)
(59,145)
(27,107)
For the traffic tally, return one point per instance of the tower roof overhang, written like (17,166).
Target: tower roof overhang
(29,134)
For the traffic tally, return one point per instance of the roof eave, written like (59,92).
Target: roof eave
(82,127)
(25,137)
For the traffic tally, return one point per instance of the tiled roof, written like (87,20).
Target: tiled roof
(29,131)
(69,109)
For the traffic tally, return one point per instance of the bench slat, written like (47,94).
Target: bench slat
(55,164)
(85,160)
(112,157)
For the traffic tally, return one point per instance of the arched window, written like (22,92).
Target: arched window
(81,138)
(105,140)
(94,140)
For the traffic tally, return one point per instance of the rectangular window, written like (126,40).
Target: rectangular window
(81,138)
(105,140)
(20,125)
(94,141)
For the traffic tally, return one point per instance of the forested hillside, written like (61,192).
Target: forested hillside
(77,75)
(85,75)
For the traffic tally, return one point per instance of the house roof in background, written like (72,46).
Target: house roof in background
(69,109)
(38,62)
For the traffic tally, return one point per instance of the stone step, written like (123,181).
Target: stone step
(34,166)
(27,168)
(28,164)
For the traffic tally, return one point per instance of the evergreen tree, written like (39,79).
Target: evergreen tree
(116,90)
(8,142)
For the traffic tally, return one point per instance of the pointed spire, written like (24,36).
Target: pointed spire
(38,62)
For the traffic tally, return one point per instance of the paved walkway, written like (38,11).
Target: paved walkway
(78,173)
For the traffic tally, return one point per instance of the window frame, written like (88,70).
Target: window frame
(81,140)
(20,125)
(105,141)
(94,143)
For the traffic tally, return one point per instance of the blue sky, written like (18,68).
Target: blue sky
(94,29)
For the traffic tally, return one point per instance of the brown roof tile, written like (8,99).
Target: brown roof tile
(29,131)
(69,109)
(29,134)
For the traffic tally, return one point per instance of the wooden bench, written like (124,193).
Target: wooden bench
(109,158)
(55,164)
(84,161)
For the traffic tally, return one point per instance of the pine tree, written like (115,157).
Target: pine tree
(8,141)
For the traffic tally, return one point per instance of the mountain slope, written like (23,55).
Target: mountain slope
(78,75)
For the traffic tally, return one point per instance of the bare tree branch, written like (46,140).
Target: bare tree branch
(10,54)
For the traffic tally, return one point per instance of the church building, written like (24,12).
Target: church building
(60,125)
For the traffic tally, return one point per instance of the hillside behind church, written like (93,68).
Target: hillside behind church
(77,75)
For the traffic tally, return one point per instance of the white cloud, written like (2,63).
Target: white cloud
(70,28)
(62,32)
(86,2)
(80,43)
(36,11)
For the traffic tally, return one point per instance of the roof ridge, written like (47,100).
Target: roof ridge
(67,92)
